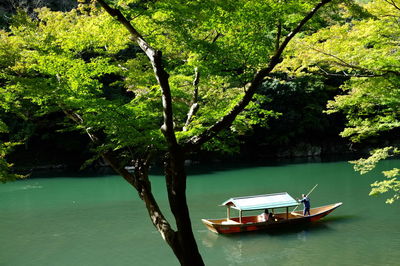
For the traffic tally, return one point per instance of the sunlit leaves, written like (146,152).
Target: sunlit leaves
(138,73)
(365,165)
(230,38)
(87,33)
(59,64)
(362,47)
(367,52)
(392,183)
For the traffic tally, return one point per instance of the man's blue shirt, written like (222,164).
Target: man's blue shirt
(306,202)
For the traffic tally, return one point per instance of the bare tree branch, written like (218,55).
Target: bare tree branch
(194,105)
(345,74)
(196,82)
(392,3)
(278,35)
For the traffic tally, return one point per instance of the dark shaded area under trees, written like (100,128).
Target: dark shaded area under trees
(303,130)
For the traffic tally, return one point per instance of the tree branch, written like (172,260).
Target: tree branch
(340,62)
(155,57)
(227,120)
(392,3)
(326,73)
(278,35)
(194,106)
(139,180)
(366,72)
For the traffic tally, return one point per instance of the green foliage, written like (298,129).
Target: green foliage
(226,41)
(82,63)
(5,147)
(371,107)
(230,39)
(366,52)
(57,64)
(391,184)
(365,165)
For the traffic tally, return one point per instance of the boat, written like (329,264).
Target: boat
(276,219)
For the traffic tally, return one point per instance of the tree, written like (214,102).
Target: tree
(366,52)
(5,147)
(108,87)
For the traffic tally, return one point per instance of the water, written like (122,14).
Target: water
(101,221)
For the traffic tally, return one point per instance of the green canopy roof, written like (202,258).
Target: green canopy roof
(259,202)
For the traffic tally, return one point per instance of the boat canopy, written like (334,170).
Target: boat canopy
(259,202)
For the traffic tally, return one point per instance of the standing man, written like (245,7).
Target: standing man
(306,202)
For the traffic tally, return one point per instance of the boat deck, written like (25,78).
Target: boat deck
(277,216)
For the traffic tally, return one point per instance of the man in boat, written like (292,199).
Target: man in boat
(306,202)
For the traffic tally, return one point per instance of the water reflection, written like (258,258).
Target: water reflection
(286,246)
(302,236)
(251,248)
(210,239)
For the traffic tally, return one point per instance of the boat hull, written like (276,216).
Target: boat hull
(250,223)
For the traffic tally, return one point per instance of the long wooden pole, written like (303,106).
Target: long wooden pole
(306,196)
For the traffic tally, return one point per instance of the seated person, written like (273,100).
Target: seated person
(265,216)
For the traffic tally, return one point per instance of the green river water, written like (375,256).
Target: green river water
(99,220)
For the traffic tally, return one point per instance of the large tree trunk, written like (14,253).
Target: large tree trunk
(185,248)
(182,241)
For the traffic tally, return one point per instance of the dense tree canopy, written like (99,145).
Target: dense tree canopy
(69,62)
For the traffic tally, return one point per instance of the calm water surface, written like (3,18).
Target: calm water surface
(100,220)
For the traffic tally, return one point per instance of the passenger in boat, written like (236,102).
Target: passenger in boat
(306,202)
(265,216)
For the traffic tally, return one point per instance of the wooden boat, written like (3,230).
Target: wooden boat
(261,202)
